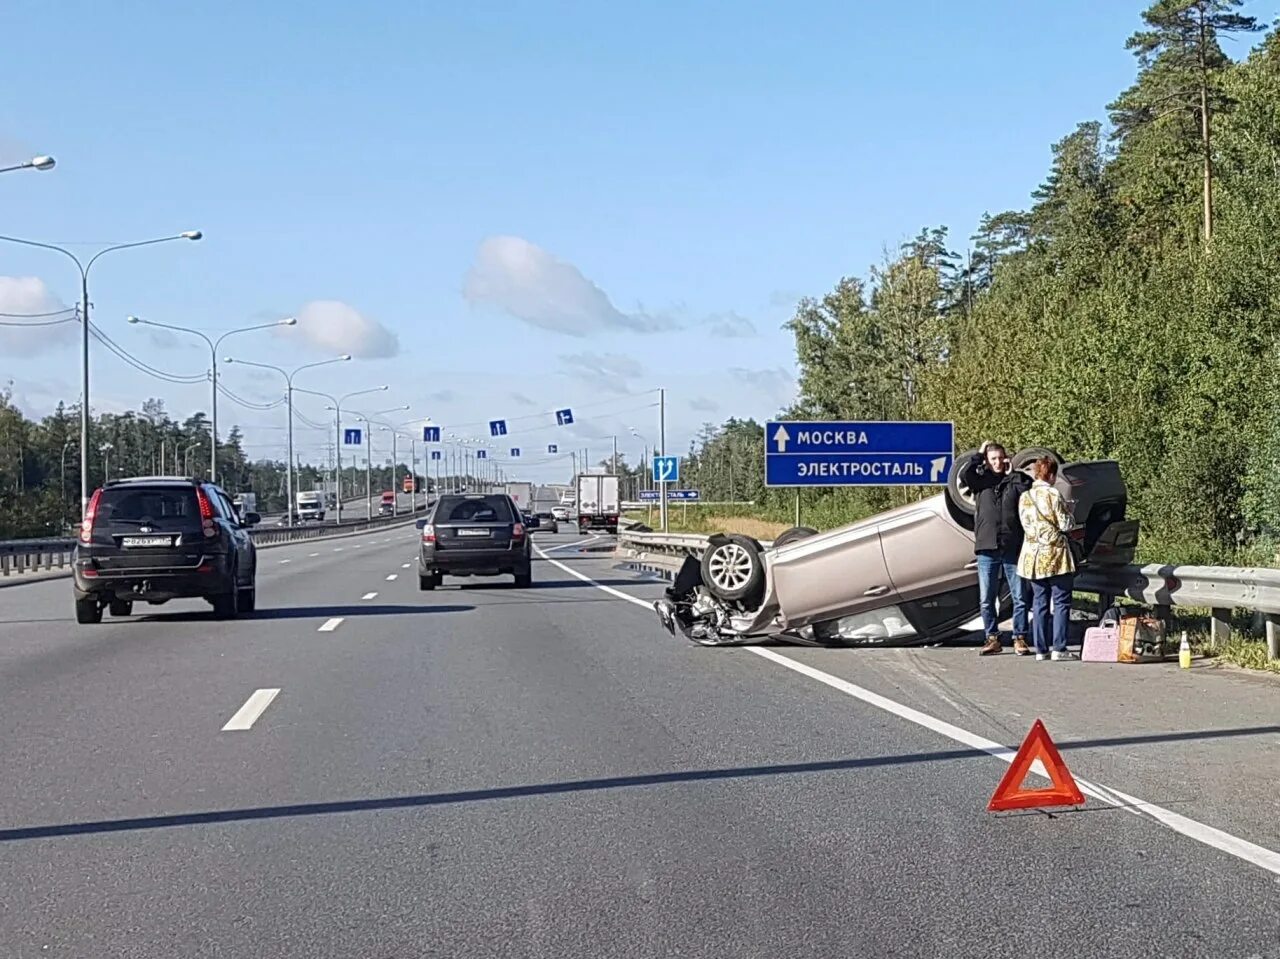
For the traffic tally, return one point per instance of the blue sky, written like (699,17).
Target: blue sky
(505,208)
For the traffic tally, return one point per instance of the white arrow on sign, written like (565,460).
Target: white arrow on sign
(781,438)
(938,465)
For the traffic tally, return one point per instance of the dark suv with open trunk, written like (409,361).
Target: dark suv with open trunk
(157,538)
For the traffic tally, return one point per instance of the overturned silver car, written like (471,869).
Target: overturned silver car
(904,577)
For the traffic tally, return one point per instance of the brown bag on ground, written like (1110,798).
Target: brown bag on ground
(1141,639)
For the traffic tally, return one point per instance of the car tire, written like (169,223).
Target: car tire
(959,495)
(227,605)
(120,607)
(732,568)
(524,578)
(793,535)
(1025,457)
(428,582)
(249,599)
(88,610)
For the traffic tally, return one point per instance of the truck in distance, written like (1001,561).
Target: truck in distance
(598,504)
(310,506)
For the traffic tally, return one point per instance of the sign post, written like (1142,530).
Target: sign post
(799,454)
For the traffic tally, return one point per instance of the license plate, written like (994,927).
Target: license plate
(473,532)
(148,541)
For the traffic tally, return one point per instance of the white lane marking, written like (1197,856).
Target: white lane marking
(330,625)
(313,554)
(337,549)
(392,576)
(1260,856)
(584,542)
(355,545)
(253,707)
(404,565)
(283,561)
(369,596)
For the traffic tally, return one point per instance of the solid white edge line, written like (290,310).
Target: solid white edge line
(369,596)
(551,549)
(1260,856)
(330,625)
(253,707)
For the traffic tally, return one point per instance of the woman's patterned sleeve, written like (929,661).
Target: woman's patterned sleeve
(1061,514)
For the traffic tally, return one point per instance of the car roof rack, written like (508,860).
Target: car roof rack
(152,479)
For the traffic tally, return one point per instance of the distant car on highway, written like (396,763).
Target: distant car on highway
(561,513)
(899,578)
(387,505)
(546,522)
(157,538)
(474,534)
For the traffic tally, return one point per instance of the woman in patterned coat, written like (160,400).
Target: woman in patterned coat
(1046,561)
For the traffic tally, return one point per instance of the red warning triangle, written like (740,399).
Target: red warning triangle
(1010,794)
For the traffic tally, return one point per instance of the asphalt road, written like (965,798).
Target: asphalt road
(488,771)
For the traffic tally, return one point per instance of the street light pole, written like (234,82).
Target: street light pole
(84,326)
(368,455)
(35,163)
(288,381)
(337,402)
(213,372)
(105,449)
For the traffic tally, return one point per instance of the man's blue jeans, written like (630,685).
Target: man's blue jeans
(1057,588)
(991,566)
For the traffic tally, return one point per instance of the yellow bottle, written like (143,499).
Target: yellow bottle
(1184,653)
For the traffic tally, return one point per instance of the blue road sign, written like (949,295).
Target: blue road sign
(435,454)
(515,451)
(552,448)
(649,496)
(482,454)
(666,469)
(497,427)
(564,417)
(687,495)
(858,454)
(431,434)
(350,437)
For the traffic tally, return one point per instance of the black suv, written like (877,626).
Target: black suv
(474,535)
(157,538)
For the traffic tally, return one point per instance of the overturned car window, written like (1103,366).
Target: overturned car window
(884,625)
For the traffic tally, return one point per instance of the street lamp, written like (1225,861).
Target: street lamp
(105,449)
(213,356)
(84,268)
(35,163)
(288,380)
(337,402)
(413,466)
(368,454)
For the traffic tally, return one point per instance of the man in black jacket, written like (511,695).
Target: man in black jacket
(997,540)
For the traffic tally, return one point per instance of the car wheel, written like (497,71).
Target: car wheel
(249,599)
(793,535)
(524,578)
(1025,457)
(428,582)
(120,607)
(227,605)
(960,496)
(88,610)
(732,567)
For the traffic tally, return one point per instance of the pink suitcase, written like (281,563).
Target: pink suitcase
(1101,645)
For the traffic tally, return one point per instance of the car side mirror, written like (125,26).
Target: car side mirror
(420,523)
(252,519)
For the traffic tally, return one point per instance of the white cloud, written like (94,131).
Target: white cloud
(731,325)
(532,285)
(607,372)
(777,384)
(27,295)
(333,327)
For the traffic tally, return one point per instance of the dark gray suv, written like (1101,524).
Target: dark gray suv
(474,535)
(157,538)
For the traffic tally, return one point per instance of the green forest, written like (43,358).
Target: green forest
(1130,311)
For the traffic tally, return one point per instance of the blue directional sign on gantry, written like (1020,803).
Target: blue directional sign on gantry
(858,454)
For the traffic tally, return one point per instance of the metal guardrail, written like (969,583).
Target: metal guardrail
(1221,589)
(19,556)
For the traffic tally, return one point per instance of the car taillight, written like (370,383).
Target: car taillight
(428,534)
(206,514)
(86,524)
(517,531)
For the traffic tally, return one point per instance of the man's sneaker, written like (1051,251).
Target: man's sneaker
(991,646)
(1020,646)
(1061,654)
(1041,657)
